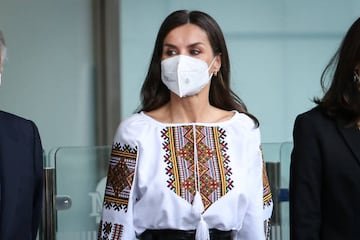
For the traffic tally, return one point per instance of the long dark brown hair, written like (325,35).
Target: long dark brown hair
(342,99)
(155,94)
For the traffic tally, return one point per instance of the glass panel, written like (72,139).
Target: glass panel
(277,159)
(80,183)
(271,154)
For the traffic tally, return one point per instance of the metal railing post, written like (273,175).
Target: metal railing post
(47,228)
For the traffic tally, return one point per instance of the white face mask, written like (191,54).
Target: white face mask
(184,75)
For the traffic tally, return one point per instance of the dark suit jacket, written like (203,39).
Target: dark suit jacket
(324,179)
(21,165)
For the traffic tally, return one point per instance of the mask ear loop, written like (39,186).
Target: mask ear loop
(212,62)
(356,78)
(214,73)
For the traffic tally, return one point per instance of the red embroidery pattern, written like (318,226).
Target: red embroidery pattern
(267,197)
(118,230)
(214,171)
(106,228)
(120,177)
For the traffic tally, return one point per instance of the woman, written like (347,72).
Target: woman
(325,161)
(189,164)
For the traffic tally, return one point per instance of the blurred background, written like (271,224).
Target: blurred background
(278,50)
(75,67)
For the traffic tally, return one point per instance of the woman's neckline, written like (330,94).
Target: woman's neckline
(235,113)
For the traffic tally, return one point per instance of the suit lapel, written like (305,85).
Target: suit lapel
(352,138)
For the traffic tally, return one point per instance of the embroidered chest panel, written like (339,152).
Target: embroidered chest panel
(213,171)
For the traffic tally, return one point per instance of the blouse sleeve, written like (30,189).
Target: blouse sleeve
(117,216)
(256,223)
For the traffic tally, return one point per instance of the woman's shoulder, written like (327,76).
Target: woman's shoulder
(135,121)
(242,126)
(244,121)
(314,121)
(315,114)
(132,126)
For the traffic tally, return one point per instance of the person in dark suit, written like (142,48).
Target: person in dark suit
(325,160)
(21,164)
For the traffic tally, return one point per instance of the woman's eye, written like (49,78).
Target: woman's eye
(195,52)
(170,52)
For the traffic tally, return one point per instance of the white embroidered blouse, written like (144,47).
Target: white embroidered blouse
(156,169)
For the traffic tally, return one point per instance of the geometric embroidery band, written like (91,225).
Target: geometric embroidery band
(106,228)
(213,162)
(120,177)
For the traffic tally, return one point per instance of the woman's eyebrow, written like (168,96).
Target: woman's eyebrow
(189,46)
(196,44)
(169,45)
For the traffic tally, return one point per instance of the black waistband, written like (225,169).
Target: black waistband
(172,234)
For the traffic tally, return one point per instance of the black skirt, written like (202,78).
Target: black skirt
(171,234)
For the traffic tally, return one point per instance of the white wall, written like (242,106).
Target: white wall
(48,76)
(277,49)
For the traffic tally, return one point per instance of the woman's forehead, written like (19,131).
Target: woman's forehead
(186,34)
